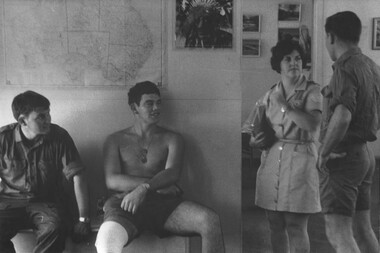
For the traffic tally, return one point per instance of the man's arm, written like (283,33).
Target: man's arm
(165,178)
(115,180)
(173,166)
(336,130)
(81,195)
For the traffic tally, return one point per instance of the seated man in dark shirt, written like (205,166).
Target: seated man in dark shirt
(142,164)
(36,157)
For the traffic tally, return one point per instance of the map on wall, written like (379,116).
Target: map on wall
(82,42)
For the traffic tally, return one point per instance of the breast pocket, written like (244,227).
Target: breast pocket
(13,168)
(47,173)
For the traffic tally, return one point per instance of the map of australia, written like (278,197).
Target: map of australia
(82,42)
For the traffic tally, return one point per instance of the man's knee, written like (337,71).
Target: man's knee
(208,221)
(338,227)
(112,237)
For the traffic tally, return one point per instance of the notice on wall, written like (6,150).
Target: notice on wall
(81,42)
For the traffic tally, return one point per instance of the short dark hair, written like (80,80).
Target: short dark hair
(282,48)
(346,25)
(27,102)
(135,93)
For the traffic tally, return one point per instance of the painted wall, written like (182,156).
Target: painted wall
(202,101)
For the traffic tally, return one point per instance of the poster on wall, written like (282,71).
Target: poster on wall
(376,34)
(82,44)
(204,24)
(289,12)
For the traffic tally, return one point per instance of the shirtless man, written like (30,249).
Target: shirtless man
(142,164)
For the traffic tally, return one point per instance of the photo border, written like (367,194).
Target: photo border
(251,15)
(376,34)
(299,13)
(251,55)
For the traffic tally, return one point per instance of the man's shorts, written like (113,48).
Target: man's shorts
(348,186)
(151,215)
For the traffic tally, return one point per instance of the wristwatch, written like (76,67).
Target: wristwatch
(84,219)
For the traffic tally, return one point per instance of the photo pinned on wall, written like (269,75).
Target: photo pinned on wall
(251,23)
(289,34)
(289,12)
(251,47)
(376,34)
(203,24)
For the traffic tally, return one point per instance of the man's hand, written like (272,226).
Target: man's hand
(171,190)
(133,200)
(81,232)
(322,160)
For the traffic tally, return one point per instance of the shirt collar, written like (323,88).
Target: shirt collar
(18,138)
(346,55)
(300,85)
(17,133)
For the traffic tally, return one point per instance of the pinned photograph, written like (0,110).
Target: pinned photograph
(251,23)
(289,12)
(204,24)
(376,34)
(251,47)
(289,34)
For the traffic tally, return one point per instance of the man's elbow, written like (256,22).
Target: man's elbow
(110,183)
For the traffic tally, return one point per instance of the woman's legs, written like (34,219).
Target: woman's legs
(288,232)
(279,235)
(296,225)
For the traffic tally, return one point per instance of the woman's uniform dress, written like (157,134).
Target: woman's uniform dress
(287,179)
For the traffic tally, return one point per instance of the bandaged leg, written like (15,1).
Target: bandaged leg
(111,238)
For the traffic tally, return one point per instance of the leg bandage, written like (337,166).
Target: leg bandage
(111,238)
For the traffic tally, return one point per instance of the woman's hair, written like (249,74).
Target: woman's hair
(27,102)
(282,48)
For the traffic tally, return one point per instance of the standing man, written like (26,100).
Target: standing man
(351,118)
(36,157)
(142,164)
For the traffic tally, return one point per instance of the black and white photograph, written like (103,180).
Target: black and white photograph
(289,12)
(376,34)
(189,126)
(251,23)
(251,47)
(204,24)
(289,34)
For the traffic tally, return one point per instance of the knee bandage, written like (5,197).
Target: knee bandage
(111,238)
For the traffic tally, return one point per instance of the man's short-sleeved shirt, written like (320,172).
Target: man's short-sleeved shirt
(356,85)
(35,173)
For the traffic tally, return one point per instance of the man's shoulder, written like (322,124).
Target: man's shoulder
(166,132)
(58,132)
(8,128)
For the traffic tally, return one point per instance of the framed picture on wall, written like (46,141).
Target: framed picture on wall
(376,34)
(251,23)
(203,24)
(289,12)
(289,33)
(251,47)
